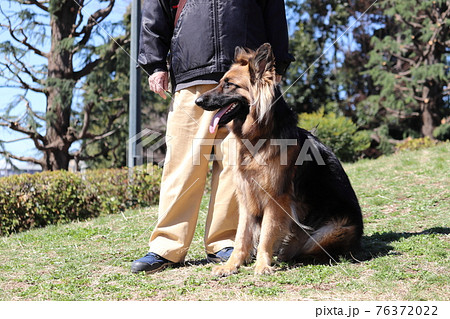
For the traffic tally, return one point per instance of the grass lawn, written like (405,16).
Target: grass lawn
(405,200)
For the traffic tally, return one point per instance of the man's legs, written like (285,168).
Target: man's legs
(222,219)
(189,145)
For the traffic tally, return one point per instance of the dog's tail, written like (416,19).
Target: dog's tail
(336,237)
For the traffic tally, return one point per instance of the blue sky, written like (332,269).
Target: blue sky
(7,95)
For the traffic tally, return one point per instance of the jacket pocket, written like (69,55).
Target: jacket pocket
(191,44)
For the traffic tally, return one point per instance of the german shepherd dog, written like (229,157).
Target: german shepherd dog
(299,203)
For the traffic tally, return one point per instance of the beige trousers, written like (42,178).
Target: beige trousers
(189,145)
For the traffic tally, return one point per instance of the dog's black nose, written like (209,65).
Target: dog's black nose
(199,100)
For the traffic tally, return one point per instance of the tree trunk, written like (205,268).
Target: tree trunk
(431,118)
(60,86)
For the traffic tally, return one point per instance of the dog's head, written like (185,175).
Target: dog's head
(247,88)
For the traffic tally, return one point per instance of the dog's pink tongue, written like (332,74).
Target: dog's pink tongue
(216,119)
(214,124)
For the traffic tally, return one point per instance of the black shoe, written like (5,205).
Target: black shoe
(150,263)
(221,256)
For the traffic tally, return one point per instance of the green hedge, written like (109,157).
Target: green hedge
(41,199)
(442,132)
(338,133)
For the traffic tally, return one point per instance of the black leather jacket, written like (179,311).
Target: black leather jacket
(203,41)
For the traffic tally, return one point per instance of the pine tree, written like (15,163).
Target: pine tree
(354,83)
(311,79)
(65,42)
(409,64)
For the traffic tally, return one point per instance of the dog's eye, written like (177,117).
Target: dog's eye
(229,84)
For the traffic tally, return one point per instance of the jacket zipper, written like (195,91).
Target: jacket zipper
(216,32)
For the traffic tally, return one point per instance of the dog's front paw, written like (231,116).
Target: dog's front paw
(224,270)
(264,270)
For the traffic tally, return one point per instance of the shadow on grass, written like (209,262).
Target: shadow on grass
(378,244)
(373,246)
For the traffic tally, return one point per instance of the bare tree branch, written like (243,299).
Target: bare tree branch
(28,106)
(420,99)
(117,99)
(108,131)
(25,69)
(104,151)
(24,41)
(402,115)
(37,138)
(95,138)
(430,15)
(24,84)
(15,140)
(411,24)
(86,121)
(400,57)
(73,32)
(93,20)
(431,43)
(40,4)
(23,158)
(405,73)
(90,66)
(87,69)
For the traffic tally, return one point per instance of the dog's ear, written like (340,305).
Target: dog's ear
(238,53)
(263,62)
(241,55)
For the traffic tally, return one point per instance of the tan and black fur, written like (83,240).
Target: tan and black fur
(289,208)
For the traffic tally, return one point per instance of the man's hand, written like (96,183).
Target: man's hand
(159,82)
(278,79)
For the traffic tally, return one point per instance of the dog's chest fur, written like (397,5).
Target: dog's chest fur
(255,187)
